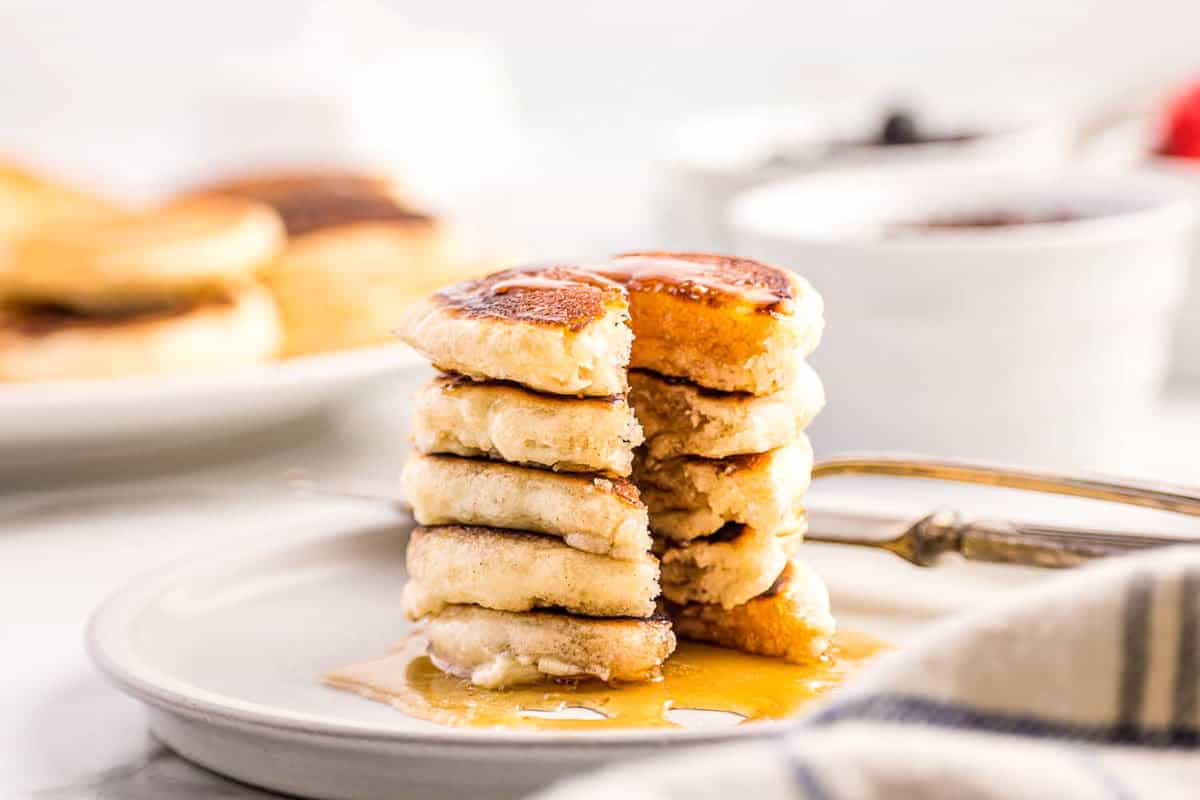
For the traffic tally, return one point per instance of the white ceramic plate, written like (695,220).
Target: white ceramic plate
(67,421)
(227,653)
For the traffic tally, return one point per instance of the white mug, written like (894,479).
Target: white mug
(1041,343)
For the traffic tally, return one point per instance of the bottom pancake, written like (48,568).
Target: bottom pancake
(791,620)
(518,571)
(733,566)
(499,649)
(224,331)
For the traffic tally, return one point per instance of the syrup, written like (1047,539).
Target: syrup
(696,676)
(703,278)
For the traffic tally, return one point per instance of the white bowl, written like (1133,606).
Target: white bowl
(1186,357)
(1044,343)
(714,158)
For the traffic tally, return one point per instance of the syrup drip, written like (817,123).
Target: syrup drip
(691,277)
(697,676)
(572,279)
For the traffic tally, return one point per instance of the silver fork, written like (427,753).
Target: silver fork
(926,540)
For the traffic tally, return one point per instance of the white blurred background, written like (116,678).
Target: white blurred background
(557,108)
(544,129)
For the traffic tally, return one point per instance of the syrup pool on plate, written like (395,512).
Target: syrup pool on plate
(697,676)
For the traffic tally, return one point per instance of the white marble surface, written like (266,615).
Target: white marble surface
(70,537)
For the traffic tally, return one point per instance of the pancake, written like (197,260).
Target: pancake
(681,418)
(555,329)
(315,201)
(358,253)
(136,260)
(690,497)
(218,332)
(725,323)
(588,512)
(454,414)
(499,649)
(791,620)
(346,286)
(29,201)
(518,571)
(728,568)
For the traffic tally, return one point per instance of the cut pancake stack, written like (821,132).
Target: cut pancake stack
(532,557)
(723,392)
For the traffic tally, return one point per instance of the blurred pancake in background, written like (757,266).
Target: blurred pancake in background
(28,201)
(201,334)
(358,252)
(145,259)
(312,201)
(173,290)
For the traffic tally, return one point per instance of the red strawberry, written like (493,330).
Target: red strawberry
(1181,132)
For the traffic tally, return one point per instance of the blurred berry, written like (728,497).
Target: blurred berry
(899,127)
(1181,132)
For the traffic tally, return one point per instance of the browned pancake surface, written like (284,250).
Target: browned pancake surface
(312,202)
(557,295)
(621,488)
(450,381)
(706,278)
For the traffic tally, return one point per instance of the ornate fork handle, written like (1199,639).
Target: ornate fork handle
(1146,494)
(925,541)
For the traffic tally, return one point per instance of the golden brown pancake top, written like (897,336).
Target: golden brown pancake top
(706,278)
(555,295)
(621,488)
(450,381)
(305,213)
(312,202)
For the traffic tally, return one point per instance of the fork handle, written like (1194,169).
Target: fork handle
(1145,494)
(1042,546)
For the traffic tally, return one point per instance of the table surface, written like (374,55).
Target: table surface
(69,538)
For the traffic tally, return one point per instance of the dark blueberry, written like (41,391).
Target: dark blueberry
(899,127)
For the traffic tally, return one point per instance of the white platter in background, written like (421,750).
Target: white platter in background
(226,653)
(66,422)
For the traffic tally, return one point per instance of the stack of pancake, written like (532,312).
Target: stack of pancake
(532,556)
(532,560)
(358,251)
(172,290)
(723,392)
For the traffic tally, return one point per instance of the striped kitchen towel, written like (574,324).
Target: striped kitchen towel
(1085,686)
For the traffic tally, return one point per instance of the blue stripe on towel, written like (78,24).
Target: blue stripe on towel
(1135,644)
(803,776)
(1187,668)
(925,711)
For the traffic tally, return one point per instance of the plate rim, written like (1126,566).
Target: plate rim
(106,641)
(279,372)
